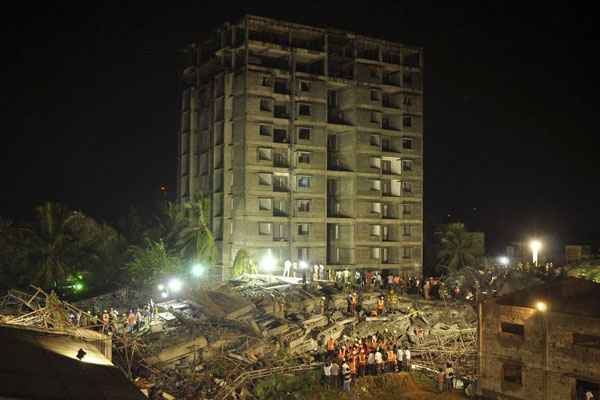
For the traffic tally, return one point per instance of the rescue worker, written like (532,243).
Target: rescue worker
(287,266)
(105,321)
(380,305)
(352,365)
(391,359)
(354,298)
(330,346)
(342,354)
(362,362)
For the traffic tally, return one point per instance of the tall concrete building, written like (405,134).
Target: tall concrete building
(309,143)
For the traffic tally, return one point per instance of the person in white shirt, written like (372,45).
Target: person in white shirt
(378,361)
(399,358)
(407,359)
(347,376)
(371,363)
(327,372)
(589,395)
(287,266)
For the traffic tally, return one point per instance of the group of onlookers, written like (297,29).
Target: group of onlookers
(365,356)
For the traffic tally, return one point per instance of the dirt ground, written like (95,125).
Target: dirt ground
(400,386)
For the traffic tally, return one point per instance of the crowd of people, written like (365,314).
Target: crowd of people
(378,354)
(109,320)
(345,361)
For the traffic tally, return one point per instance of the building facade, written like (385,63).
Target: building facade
(542,343)
(308,142)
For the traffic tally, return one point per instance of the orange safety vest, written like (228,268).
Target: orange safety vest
(380,304)
(352,365)
(362,358)
(330,344)
(391,356)
(341,354)
(354,300)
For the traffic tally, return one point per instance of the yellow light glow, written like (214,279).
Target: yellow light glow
(541,306)
(535,245)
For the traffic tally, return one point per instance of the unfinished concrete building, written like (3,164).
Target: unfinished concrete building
(542,342)
(308,142)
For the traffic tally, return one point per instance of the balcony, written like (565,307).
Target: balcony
(334,164)
(280,136)
(280,161)
(269,37)
(280,213)
(335,116)
(281,88)
(281,112)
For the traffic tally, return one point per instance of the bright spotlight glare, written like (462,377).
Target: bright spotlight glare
(503,260)
(164,295)
(175,284)
(535,245)
(197,270)
(541,306)
(268,262)
(161,287)
(303,264)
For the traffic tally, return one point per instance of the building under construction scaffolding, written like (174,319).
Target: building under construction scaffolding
(308,142)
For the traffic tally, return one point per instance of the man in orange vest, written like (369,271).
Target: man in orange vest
(342,354)
(362,362)
(352,364)
(380,305)
(330,346)
(354,302)
(391,359)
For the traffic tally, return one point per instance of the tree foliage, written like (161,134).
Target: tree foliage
(145,245)
(243,263)
(151,262)
(457,248)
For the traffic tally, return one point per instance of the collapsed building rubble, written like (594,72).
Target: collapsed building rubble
(212,343)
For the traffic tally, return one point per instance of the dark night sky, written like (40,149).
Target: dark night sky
(91,98)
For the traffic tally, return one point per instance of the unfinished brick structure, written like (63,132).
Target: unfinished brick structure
(308,142)
(542,342)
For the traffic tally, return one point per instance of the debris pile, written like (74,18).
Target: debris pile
(212,343)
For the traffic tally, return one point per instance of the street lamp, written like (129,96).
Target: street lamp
(503,260)
(535,246)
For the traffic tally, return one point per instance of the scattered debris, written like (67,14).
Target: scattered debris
(213,342)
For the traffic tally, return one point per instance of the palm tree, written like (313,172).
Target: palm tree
(51,246)
(151,262)
(456,248)
(196,240)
